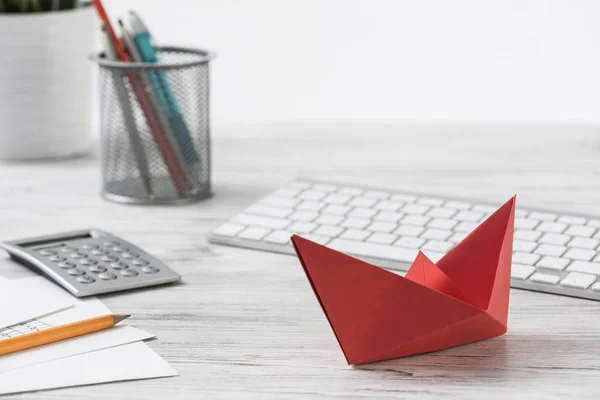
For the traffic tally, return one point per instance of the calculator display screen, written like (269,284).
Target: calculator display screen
(55,241)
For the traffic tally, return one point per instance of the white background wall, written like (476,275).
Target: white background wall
(459,60)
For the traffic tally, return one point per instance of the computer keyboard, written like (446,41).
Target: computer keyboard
(552,252)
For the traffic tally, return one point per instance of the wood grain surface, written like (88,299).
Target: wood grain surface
(245,324)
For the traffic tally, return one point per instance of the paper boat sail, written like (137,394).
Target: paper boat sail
(378,315)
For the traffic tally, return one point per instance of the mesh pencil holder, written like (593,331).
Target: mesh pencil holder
(155,132)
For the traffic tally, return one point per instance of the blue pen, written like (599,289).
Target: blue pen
(143,41)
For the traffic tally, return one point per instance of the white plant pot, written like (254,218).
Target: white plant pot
(46,83)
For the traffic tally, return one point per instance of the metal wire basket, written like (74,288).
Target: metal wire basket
(155,129)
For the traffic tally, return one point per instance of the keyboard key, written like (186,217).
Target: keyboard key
(312,195)
(441,212)
(543,216)
(377,194)
(580,231)
(520,271)
(317,239)
(458,205)
(467,227)
(300,184)
(302,227)
(585,267)
(555,263)
(412,242)
(485,209)
(584,243)
(551,227)
(310,205)
(286,192)
(355,234)
(362,213)
(324,187)
(544,278)
(327,219)
(363,202)
(306,216)
(552,238)
(594,223)
(267,211)
(282,202)
(418,209)
(468,216)
(263,222)
(438,245)
(526,223)
(457,237)
(336,198)
(524,246)
(329,231)
(388,216)
(388,205)
(336,209)
(430,201)
(254,233)
(418,220)
(351,191)
(408,230)
(382,238)
(524,234)
(405,198)
(578,280)
(229,229)
(437,234)
(374,250)
(384,227)
(357,223)
(525,258)
(571,220)
(580,254)
(278,237)
(596,287)
(441,223)
(550,250)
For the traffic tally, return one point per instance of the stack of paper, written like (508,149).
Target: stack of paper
(116,354)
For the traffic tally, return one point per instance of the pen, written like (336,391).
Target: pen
(144,44)
(138,89)
(136,144)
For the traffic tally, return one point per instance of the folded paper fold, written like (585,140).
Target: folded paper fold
(377,315)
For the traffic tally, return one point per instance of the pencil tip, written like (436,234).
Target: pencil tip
(119,317)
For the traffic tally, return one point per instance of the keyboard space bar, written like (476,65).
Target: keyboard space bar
(394,253)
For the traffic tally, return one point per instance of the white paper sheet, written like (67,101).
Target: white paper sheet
(28,298)
(119,335)
(121,363)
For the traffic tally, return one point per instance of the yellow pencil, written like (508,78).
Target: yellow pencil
(59,333)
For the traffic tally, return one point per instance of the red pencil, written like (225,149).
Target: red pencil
(138,88)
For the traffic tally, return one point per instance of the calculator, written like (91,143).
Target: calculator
(90,262)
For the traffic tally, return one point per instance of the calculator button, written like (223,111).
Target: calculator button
(56,258)
(109,244)
(87,261)
(118,265)
(47,252)
(97,252)
(128,272)
(150,269)
(129,255)
(75,272)
(89,246)
(107,276)
(86,279)
(140,262)
(97,268)
(65,265)
(77,256)
(67,249)
(117,249)
(108,258)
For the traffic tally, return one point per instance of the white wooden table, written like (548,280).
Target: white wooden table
(245,324)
